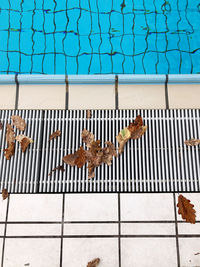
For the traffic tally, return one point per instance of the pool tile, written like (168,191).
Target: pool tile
(79,251)
(28,229)
(141,96)
(147,207)
(188,248)
(40,96)
(184,95)
(91,207)
(148,229)
(32,252)
(7,96)
(29,207)
(91,229)
(148,252)
(91,96)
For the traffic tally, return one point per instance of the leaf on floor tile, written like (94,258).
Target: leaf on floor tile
(186,209)
(94,263)
(59,168)
(18,122)
(4,194)
(10,135)
(134,131)
(78,158)
(54,135)
(192,142)
(24,141)
(89,114)
(87,137)
(1,126)
(9,152)
(198,253)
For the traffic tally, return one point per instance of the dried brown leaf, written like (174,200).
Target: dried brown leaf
(18,122)
(78,158)
(59,168)
(87,137)
(108,153)
(54,135)
(123,138)
(198,253)
(24,141)
(94,263)
(10,135)
(192,142)
(186,209)
(89,114)
(9,152)
(1,126)
(4,194)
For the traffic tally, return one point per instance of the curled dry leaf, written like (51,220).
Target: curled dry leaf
(9,152)
(1,126)
(87,137)
(108,153)
(54,135)
(94,263)
(78,158)
(18,122)
(4,194)
(24,141)
(59,168)
(10,135)
(186,209)
(192,142)
(88,114)
(134,131)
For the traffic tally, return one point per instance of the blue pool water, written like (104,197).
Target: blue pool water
(99,36)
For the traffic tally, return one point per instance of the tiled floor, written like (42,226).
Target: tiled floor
(123,230)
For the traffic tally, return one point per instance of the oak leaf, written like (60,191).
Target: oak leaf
(9,152)
(87,137)
(108,153)
(78,158)
(186,209)
(192,142)
(4,194)
(94,263)
(18,122)
(59,168)
(24,141)
(10,135)
(54,135)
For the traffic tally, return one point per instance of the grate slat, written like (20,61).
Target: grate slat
(158,162)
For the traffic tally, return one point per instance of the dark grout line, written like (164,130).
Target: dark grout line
(17,92)
(176,229)
(116,93)
(62,230)
(166,93)
(119,229)
(66,93)
(5,230)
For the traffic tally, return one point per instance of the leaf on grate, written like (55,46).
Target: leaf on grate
(59,168)
(123,138)
(108,153)
(24,141)
(94,263)
(54,135)
(87,137)
(186,209)
(1,126)
(192,142)
(4,194)
(18,122)
(10,135)
(89,114)
(78,158)
(9,152)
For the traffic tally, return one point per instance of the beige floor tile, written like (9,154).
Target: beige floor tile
(7,96)
(189,252)
(184,95)
(92,96)
(36,96)
(141,96)
(148,228)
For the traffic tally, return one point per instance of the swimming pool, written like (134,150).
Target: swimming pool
(99,36)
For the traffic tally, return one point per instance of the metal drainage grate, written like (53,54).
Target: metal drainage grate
(158,162)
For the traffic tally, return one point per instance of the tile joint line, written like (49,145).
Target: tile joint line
(17,91)
(166,92)
(116,92)
(66,92)
(5,231)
